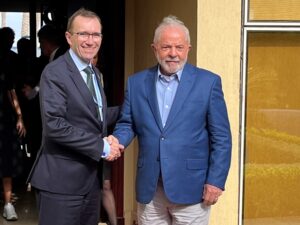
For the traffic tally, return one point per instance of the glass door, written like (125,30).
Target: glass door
(270,131)
(271,145)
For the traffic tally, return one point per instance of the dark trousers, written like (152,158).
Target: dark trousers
(59,209)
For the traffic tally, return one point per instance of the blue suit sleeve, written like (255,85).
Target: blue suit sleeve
(124,129)
(220,137)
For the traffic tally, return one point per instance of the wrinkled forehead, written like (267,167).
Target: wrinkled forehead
(174,33)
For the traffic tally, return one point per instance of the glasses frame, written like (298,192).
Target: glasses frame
(86,35)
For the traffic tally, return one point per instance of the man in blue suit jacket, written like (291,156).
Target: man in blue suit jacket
(75,118)
(179,115)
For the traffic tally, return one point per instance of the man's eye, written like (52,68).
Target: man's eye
(86,35)
(83,34)
(179,48)
(165,48)
(96,35)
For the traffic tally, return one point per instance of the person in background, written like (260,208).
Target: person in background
(27,65)
(11,121)
(75,116)
(178,113)
(108,199)
(51,44)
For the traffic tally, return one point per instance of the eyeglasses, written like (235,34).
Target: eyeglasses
(85,35)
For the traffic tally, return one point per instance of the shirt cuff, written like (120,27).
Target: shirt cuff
(106,149)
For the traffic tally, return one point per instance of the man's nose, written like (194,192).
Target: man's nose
(173,51)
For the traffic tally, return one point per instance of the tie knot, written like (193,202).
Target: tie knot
(88,70)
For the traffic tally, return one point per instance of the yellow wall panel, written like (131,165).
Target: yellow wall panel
(272,150)
(274,10)
(218,50)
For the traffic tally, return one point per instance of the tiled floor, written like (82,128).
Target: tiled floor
(25,207)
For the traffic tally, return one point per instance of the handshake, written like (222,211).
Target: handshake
(115,148)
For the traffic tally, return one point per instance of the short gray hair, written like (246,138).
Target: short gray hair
(170,21)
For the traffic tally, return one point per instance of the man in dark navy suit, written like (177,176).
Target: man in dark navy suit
(74,117)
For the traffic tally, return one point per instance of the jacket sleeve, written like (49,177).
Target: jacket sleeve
(73,133)
(219,136)
(124,129)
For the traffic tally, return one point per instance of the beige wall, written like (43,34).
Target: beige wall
(148,15)
(131,151)
(215,37)
(218,49)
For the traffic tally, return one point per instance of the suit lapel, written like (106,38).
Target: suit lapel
(150,84)
(80,84)
(183,90)
(104,104)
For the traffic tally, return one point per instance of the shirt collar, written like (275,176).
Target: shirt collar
(179,73)
(81,65)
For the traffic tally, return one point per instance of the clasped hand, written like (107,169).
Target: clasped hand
(115,148)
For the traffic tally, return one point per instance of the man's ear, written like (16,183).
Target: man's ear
(153,47)
(68,37)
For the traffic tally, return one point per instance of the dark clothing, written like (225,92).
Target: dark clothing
(10,153)
(31,70)
(82,208)
(72,133)
(33,120)
(106,170)
(72,145)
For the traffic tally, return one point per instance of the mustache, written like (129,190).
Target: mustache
(176,59)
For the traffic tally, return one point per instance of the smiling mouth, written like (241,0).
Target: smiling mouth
(172,62)
(89,50)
